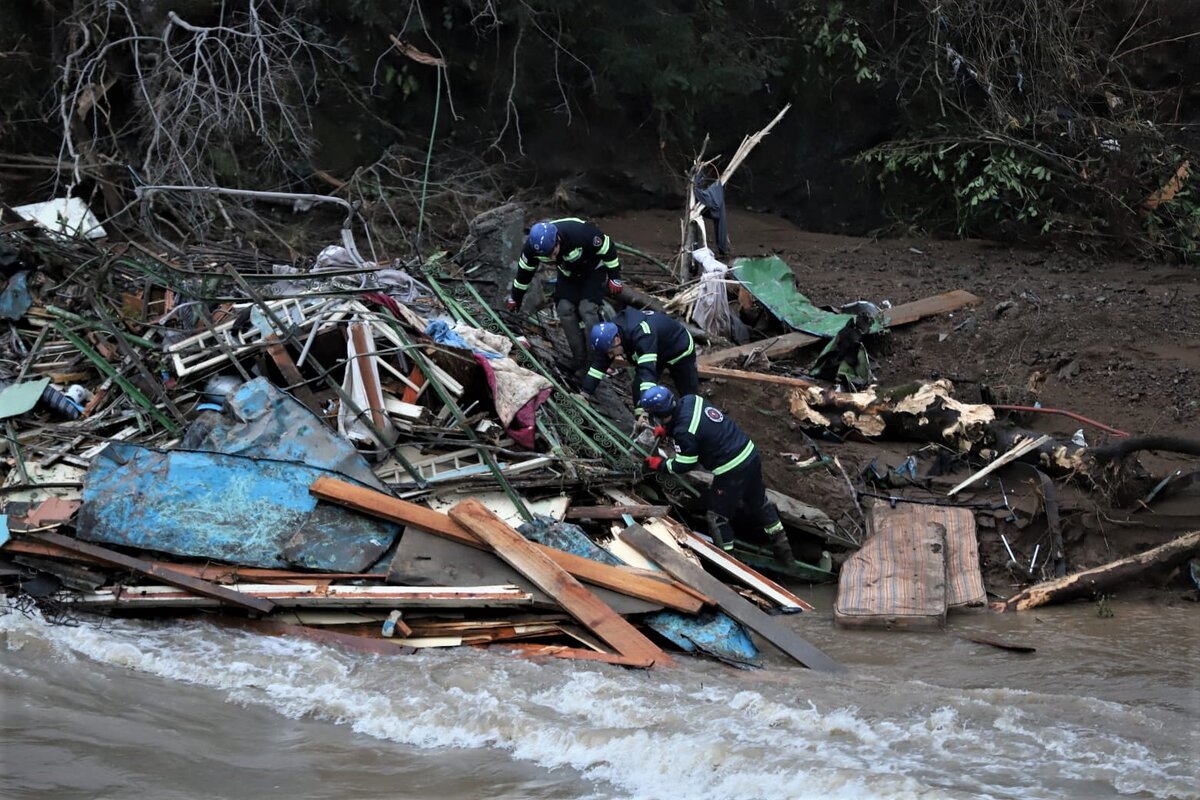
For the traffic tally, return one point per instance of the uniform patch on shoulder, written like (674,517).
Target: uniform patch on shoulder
(714,414)
(596,240)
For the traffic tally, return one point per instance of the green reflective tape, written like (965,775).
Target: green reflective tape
(574,254)
(645,326)
(604,246)
(691,348)
(519,285)
(595,373)
(566,219)
(687,459)
(645,385)
(736,461)
(648,358)
(697,410)
(774,529)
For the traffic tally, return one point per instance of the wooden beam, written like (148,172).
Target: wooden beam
(730,601)
(626,580)
(902,314)
(944,303)
(523,556)
(745,575)
(1012,455)
(615,512)
(169,576)
(206,570)
(532,650)
(756,377)
(291,374)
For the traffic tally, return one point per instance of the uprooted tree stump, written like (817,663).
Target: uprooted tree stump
(1097,580)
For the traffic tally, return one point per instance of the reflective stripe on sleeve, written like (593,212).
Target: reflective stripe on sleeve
(573,255)
(648,358)
(595,373)
(697,410)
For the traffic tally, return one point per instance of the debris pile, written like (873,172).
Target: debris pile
(375,453)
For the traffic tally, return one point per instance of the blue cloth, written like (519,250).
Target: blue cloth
(441,333)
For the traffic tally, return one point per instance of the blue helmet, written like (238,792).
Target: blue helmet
(542,238)
(603,334)
(658,401)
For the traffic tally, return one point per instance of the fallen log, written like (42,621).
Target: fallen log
(1104,577)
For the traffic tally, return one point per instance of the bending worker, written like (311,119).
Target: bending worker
(588,268)
(652,343)
(704,436)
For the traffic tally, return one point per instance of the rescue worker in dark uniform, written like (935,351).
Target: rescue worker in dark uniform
(588,269)
(705,437)
(652,343)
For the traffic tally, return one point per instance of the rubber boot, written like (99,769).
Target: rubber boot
(781,548)
(719,530)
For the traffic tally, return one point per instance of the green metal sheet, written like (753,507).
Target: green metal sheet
(20,398)
(771,282)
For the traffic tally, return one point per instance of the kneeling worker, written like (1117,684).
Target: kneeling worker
(703,435)
(652,343)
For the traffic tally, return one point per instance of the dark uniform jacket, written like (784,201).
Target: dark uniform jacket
(584,250)
(651,342)
(704,435)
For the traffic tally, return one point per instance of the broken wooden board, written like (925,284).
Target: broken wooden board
(194,586)
(643,585)
(896,580)
(426,559)
(1106,576)
(315,595)
(532,650)
(526,558)
(730,601)
(781,346)
(361,644)
(781,597)
(616,512)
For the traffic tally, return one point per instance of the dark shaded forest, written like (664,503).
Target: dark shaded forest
(1067,120)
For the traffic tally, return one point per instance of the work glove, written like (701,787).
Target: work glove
(660,431)
(510,304)
(655,463)
(615,286)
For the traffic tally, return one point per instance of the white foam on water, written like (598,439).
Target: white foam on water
(688,732)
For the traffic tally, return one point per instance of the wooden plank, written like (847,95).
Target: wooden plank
(347,641)
(521,554)
(745,575)
(533,650)
(944,303)
(615,512)
(217,573)
(755,377)
(730,601)
(416,379)
(903,314)
(771,348)
(316,595)
(291,374)
(365,350)
(635,583)
(174,578)
(428,559)
(1012,455)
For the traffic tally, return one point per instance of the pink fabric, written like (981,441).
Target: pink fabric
(523,426)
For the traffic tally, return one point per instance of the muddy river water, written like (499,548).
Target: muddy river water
(1106,707)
